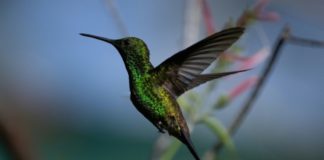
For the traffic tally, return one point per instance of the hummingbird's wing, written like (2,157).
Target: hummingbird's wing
(181,71)
(200,79)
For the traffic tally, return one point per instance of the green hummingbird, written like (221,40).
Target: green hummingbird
(154,90)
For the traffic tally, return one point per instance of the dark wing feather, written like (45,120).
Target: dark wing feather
(207,77)
(181,69)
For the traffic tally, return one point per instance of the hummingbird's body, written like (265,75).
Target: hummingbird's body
(154,90)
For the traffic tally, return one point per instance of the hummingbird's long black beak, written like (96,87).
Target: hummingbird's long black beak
(98,37)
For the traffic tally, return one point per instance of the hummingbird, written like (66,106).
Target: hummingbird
(154,90)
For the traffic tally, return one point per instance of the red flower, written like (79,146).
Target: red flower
(255,59)
(251,61)
(239,89)
(223,100)
(262,14)
(207,17)
(258,12)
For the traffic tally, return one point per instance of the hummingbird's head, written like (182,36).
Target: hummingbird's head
(127,47)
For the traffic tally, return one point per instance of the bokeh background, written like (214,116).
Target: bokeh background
(68,95)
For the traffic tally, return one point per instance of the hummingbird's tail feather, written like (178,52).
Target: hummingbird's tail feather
(192,150)
(207,77)
(184,138)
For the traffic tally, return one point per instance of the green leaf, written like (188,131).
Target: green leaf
(171,150)
(221,132)
(222,102)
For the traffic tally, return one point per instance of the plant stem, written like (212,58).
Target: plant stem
(285,35)
(13,142)
(172,150)
(221,132)
(306,42)
(116,15)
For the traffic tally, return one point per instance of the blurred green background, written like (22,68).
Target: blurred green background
(69,94)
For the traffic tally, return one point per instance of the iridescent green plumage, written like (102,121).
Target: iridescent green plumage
(154,90)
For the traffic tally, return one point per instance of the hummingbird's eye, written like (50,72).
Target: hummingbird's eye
(126,42)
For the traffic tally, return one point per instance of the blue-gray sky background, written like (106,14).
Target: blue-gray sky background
(73,90)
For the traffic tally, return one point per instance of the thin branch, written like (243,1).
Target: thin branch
(14,142)
(14,136)
(115,14)
(249,103)
(8,142)
(284,38)
(264,76)
(306,42)
(259,86)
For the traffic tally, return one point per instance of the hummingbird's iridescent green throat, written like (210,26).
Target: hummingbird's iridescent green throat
(154,90)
